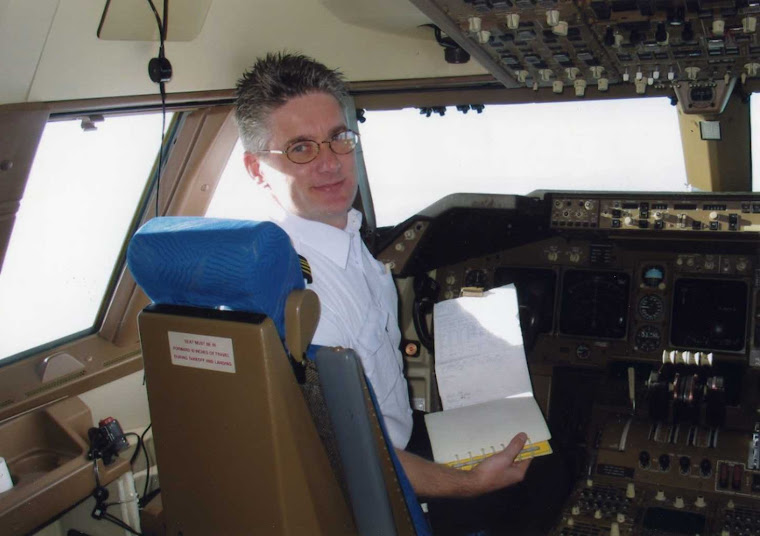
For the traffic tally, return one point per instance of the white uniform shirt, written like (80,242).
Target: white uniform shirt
(359,309)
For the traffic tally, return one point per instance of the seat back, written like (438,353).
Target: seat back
(236,447)
(237,450)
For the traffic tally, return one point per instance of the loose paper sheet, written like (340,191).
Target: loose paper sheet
(479,349)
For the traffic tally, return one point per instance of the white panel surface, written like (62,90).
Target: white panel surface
(76,64)
(24,27)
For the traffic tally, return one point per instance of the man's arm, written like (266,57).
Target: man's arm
(437,480)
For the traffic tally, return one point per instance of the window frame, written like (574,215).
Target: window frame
(195,160)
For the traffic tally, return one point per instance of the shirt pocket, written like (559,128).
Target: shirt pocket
(370,339)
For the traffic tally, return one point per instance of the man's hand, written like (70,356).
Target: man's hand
(501,469)
(437,480)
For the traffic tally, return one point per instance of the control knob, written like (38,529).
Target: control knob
(664,462)
(705,467)
(644,459)
(685,464)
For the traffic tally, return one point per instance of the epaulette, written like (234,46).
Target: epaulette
(305,269)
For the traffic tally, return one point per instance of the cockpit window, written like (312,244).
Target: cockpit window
(80,200)
(413,160)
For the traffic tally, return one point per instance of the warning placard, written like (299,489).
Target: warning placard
(202,351)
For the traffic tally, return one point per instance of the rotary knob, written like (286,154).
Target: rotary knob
(684,463)
(705,467)
(664,462)
(644,459)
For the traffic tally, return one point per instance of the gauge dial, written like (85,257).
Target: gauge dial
(651,307)
(653,275)
(476,278)
(648,339)
(594,304)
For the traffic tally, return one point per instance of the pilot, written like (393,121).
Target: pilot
(299,148)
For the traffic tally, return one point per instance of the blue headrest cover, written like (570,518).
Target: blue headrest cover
(211,263)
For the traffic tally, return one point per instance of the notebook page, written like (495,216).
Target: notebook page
(479,350)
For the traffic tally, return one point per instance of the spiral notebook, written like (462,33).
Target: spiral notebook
(483,381)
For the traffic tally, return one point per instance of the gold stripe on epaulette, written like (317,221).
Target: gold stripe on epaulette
(305,269)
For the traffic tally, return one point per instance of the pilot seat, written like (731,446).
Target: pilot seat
(256,431)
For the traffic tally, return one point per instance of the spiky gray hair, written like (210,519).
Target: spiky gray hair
(270,83)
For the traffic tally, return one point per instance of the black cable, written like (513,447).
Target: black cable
(161,27)
(136,453)
(147,463)
(116,521)
(162,88)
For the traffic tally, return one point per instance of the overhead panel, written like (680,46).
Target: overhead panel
(133,20)
(697,48)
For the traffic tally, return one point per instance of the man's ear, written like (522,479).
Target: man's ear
(253,166)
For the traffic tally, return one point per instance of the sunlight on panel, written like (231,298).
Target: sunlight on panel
(412,160)
(81,196)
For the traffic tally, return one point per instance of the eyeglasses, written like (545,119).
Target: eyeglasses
(303,152)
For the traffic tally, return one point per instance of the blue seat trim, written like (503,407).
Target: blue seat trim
(420,522)
(216,263)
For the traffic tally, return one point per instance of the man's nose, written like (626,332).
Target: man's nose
(327,160)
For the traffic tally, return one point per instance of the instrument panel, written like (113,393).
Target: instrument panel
(643,339)
(604,280)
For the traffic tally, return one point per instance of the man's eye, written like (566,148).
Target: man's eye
(302,147)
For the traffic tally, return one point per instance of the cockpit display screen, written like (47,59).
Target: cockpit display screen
(709,314)
(594,304)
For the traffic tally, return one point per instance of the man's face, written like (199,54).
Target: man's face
(321,190)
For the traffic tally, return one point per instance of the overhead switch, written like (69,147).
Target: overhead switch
(552,17)
(580,87)
(560,28)
(718,27)
(749,24)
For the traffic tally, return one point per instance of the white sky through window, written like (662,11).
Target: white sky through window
(81,196)
(412,161)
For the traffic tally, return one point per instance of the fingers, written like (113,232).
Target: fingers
(516,445)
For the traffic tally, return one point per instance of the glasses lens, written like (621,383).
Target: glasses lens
(345,142)
(302,152)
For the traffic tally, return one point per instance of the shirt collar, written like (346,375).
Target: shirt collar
(330,241)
